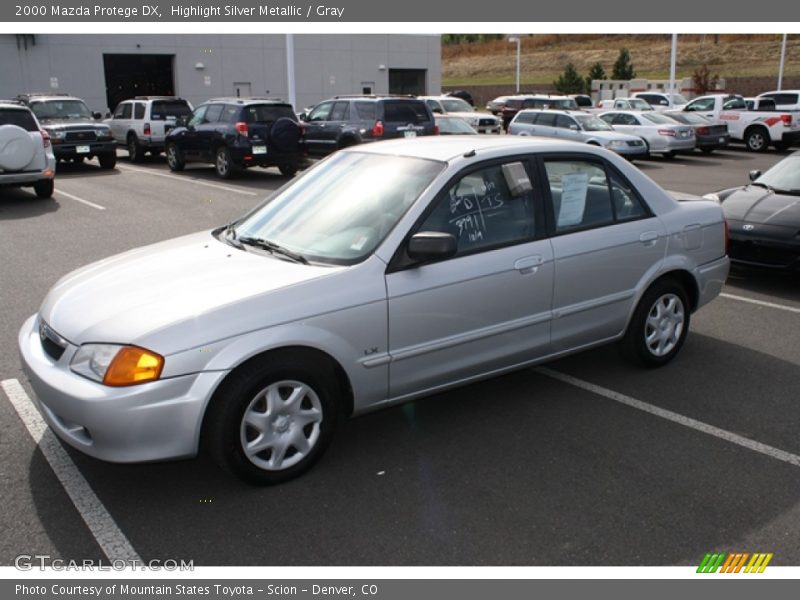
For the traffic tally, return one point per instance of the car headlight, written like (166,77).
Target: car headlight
(57,134)
(617,144)
(104,132)
(116,365)
(712,196)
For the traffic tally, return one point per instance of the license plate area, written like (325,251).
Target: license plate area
(83,149)
(410,134)
(259,149)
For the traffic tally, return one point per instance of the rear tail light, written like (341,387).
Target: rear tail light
(702,131)
(669,132)
(377,130)
(147,128)
(241,128)
(787,120)
(436,130)
(45,138)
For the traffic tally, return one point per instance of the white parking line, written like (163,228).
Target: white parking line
(102,525)
(81,200)
(722,434)
(762,303)
(189,180)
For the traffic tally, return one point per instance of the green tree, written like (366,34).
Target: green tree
(569,82)
(596,71)
(623,69)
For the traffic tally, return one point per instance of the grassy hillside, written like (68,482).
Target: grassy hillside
(544,56)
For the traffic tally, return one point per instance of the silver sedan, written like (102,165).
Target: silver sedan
(662,134)
(385,273)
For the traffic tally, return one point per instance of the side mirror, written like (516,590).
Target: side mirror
(303,116)
(574,127)
(97,115)
(431,245)
(437,111)
(182,121)
(755,174)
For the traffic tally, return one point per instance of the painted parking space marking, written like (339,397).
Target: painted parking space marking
(217,186)
(101,524)
(785,307)
(722,434)
(78,199)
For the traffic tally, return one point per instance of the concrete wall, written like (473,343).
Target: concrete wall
(325,65)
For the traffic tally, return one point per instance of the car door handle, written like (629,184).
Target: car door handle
(529,264)
(648,238)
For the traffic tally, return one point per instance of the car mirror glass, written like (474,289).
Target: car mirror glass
(755,174)
(97,115)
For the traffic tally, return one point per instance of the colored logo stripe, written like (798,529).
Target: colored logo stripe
(734,562)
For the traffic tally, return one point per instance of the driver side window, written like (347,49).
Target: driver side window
(198,117)
(321,112)
(482,211)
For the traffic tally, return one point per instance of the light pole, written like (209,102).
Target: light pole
(783,58)
(512,39)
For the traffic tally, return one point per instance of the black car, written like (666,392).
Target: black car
(764,217)
(348,120)
(708,136)
(463,94)
(74,130)
(237,133)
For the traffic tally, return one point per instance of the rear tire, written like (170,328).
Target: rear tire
(223,163)
(107,161)
(44,188)
(271,420)
(756,139)
(659,325)
(288,170)
(135,150)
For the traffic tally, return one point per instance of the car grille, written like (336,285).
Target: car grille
(764,255)
(52,343)
(635,143)
(487,122)
(80,136)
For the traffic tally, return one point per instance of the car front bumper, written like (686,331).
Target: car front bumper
(94,148)
(152,421)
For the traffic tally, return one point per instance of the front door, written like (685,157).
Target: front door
(486,308)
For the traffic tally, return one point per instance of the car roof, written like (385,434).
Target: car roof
(557,111)
(249,100)
(447,148)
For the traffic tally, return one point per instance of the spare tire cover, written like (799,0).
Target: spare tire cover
(16,148)
(285,135)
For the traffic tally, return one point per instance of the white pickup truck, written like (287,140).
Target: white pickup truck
(758,129)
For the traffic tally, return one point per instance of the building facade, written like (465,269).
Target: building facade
(104,69)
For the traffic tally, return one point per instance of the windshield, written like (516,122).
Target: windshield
(659,119)
(592,123)
(639,104)
(456,105)
(784,176)
(679,99)
(454,125)
(343,208)
(61,109)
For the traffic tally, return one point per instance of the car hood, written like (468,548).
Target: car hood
(755,204)
(68,124)
(128,297)
(467,116)
(612,135)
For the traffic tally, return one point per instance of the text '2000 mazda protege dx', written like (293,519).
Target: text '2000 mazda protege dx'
(385,273)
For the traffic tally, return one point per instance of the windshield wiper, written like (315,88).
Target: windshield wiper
(273,248)
(764,185)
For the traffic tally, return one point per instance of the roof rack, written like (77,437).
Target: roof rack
(243,99)
(343,96)
(156,98)
(26,97)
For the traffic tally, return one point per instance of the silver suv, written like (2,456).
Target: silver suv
(142,123)
(26,155)
(576,126)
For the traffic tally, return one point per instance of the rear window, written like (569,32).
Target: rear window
(163,109)
(267,113)
(18,117)
(405,112)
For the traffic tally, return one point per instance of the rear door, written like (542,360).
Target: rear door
(260,119)
(605,242)
(164,115)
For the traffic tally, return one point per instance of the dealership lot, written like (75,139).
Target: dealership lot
(589,461)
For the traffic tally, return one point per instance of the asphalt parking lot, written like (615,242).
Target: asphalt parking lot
(590,461)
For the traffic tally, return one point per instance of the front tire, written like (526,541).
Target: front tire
(107,161)
(175,160)
(272,420)
(288,170)
(659,325)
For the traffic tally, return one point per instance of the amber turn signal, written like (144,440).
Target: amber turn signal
(133,365)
